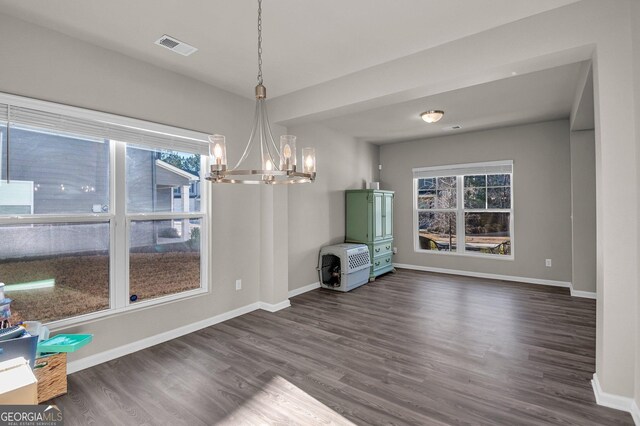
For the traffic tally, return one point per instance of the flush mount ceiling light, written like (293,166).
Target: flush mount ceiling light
(278,166)
(432,116)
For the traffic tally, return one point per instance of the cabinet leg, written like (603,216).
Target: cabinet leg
(372,279)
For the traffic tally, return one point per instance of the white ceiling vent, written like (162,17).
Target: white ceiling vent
(175,45)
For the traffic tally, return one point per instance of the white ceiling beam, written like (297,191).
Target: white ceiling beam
(546,40)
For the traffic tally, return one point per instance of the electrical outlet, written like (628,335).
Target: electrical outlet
(238,284)
(395,250)
(547,263)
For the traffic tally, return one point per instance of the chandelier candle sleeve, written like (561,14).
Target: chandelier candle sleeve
(217,152)
(287,152)
(308,160)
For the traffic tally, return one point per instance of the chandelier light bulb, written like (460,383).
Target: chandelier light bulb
(287,151)
(217,152)
(309,160)
(268,165)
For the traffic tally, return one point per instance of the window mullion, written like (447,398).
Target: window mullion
(164,215)
(119,251)
(46,219)
(205,193)
(460,215)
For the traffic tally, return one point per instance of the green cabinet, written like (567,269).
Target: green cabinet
(369,220)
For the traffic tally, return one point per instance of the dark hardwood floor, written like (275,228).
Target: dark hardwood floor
(410,348)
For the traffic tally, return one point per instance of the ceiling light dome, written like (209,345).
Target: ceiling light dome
(432,116)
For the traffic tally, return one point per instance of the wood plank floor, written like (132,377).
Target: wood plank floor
(410,348)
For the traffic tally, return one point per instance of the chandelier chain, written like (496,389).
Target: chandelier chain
(259,41)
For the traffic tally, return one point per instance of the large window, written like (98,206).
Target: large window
(464,209)
(98,213)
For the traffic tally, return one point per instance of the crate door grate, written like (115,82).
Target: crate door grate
(358,259)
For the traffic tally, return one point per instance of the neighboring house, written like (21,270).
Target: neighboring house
(49,166)
(172,184)
(50,173)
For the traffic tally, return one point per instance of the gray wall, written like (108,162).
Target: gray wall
(583,209)
(541,196)
(316,211)
(43,64)
(635,25)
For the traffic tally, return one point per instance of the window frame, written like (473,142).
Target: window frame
(117,217)
(460,211)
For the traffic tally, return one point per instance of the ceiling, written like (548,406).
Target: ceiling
(534,97)
(305,42)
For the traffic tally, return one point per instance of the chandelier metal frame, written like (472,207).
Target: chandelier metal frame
(278,166)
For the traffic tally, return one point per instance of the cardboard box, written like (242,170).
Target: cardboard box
(18,385)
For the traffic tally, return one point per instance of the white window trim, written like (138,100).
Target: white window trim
(117,217)
(459,211)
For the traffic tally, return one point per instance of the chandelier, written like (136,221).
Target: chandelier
(278,165)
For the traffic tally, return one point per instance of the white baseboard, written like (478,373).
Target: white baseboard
(585,294)
(114,353)
(565,284)
(306,288)
(615,401)
(635,413)
(274,307)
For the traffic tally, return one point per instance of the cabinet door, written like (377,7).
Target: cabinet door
(359,207)
(378,213)
(388,216)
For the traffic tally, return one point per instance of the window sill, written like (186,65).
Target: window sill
(60,325)
(472,255)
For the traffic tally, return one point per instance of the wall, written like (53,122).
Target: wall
(316,211)
(635,25)
(43,64)
(583,210)
(541,196)
(274,243)
(616,205)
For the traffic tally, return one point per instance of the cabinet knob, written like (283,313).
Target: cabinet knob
(378,250)
(387,260)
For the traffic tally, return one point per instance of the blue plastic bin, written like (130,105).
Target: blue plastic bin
(24,346)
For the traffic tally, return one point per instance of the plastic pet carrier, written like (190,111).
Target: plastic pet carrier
(344,267)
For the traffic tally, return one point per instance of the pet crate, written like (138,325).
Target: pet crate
(344,267)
